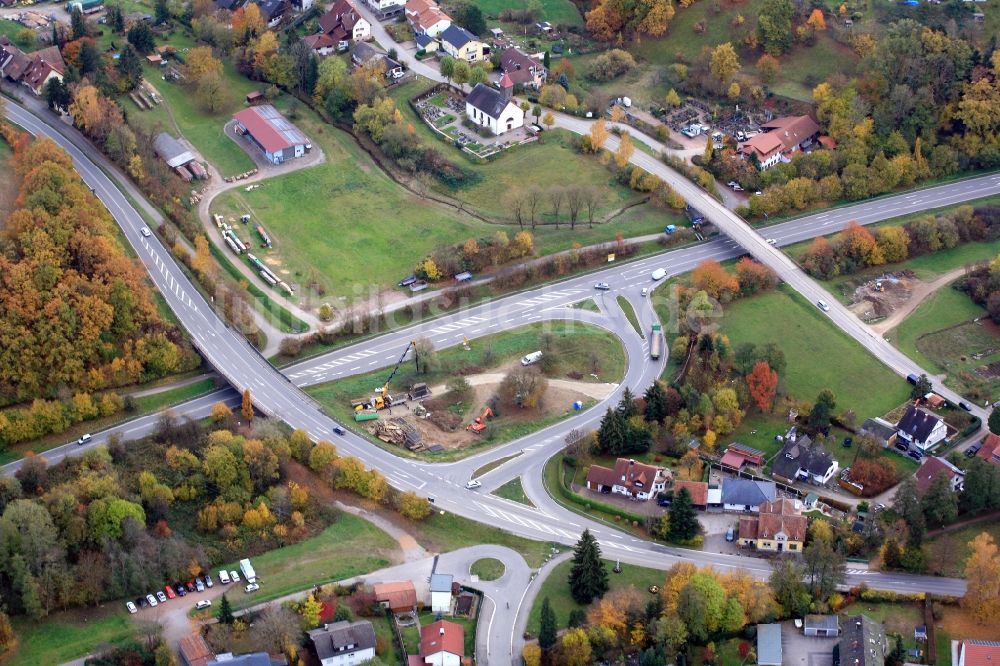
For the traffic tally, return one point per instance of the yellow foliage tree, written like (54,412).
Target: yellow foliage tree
(982,575)
(625,151)
(598,134)
(816,20)
(532,655)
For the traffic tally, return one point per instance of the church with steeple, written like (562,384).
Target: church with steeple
(488,107)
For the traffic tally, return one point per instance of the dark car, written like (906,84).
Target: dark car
(915,455)
(664,499)
(848,442)
(180,589)
(973,450)
(337,429)
(407,281)
(141,602)
(966,406)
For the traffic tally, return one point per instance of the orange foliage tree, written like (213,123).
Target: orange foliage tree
(763,384)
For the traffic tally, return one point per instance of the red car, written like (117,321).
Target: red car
(170,592)
(189,585)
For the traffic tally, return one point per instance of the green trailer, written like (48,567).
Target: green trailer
(366,415)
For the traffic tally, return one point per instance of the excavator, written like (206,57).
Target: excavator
(479,424)
(381,399)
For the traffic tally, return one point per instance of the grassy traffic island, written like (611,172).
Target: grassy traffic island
(488,568)
(579,366)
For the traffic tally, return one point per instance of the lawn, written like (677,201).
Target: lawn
(158,401)
(943,309)
(811,343)
(487,568)
(61,637)
(629,311)
(350,547)
(443,532)
(12,31)
(575,350)
(587,304)
(513,491)
(554,11)
(201,128)
(949,551)
(556,589)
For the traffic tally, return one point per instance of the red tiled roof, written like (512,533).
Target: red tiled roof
(793,526)
(442,636)
(195,651)
(748,527)
(792,130)
(980,653)
(270,129)
(990,450)
(930,469)
(763,144)
(601,476)
(698,490)
(782,506)
(319,41)
(399,595)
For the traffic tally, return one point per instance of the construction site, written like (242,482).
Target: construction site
(878,298)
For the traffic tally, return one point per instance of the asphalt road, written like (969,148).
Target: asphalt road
(276,395)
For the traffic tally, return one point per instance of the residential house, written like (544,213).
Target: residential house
(920,429)
(697,489)
(398,597)
(780,527)
(862,642)
(780,138)
(32,70)
(441,592)
(975,653)
(426,17)
(230,5)
(494,109)
(426,43)
(737,455)
(442,643)
(273,11)
(932,467)
(250,659)
(344,643)
(630,478)
(826,626)
(194,651)
(746,494)
(769,644)
(270,131)
(386,8)
(990,449)
(461,44)
(321,43)
(522,69)
(344,24)
(364,54)
(880,430)
(802,460)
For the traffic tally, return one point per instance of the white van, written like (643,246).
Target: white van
(659,274)
(822,305)
(223,576)
(531,358)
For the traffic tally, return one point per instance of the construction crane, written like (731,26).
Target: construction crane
(382,399)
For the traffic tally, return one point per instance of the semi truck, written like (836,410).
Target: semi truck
(86,6)
(655,342)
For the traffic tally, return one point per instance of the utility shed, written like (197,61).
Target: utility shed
(822,625)
(171,151)
(769,644)
(270,131)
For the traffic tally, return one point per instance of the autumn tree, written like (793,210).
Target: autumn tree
(768,68)
(598,134)
(413,506)
(763,384)
(724,63)
(982,575)
(574,648)
(200,62)
(524,388)
(672,100)
(532,655)
(247,407)
(625,151)
(609,18)
(816,20)
(709,276)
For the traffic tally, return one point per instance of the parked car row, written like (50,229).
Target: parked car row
(199,584)
(234,577)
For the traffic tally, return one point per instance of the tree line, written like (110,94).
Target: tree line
(76,312)
(856,248)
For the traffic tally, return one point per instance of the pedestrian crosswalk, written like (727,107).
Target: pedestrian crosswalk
(549,296)
(454,326)
(858,572)
(318,369)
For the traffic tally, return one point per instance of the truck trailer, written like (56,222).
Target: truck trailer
(248,571)
(655,342)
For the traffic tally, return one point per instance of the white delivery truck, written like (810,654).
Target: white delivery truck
(531,358)
(248,573)
(659,274)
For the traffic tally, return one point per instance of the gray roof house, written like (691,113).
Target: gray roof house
(802,459)
(456,35)
(920,428)
(251,659)
(862,642)
(821,625)
(171,151)
(747,494)
(878,429)
(344,643)
(363,53)
(488,100)
(769,644)
(441,582)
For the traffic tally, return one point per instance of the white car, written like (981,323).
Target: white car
(161,597)
(737,188)
(472,485)
(151,599)
(603,286)
(223,576)
(198,585)
(204,603)
(131,607)
(252,587)
(85,439)
(208,581)
(145,232)
(235,576)
(823,305)
(645,291)
(771,241)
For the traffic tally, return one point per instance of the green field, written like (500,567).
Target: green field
(350,547)
(950,550)
(204,130)
(12,29)
(514,491)
(554,11)
(576,349)
(443,532)
(943,309)
(61,637)
(157,401)
(556,589)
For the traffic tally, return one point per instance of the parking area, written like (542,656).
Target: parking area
(800,650)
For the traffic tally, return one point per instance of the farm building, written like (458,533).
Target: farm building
(171,151)
(270,131)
